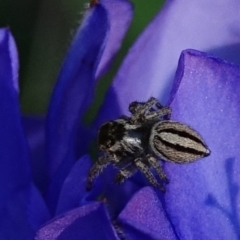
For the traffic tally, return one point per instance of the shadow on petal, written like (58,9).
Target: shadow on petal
(146,214)
(230,53)
(233,191)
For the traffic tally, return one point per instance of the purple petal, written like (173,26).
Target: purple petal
(88,222)
(73,191)
(108,23)
(22,214)
(35,133)
(202,198)
(119,16)
(144,215)
(72,95)
(13,54)
(15,170)
(17,193)
(116,195)
(149,68)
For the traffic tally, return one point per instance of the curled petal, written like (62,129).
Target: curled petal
(75,85)
(73,192)
(119,15)
(14,151)
(72,94)
(13,54)
(206,192)
(88,222)
(17,192)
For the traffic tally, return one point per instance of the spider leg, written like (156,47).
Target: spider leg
(125,173)
(145,170)
(139,109)
(159,105)
(142,112)
(158,168)
(96,169)
(165,111)
(142,107)
(124,117)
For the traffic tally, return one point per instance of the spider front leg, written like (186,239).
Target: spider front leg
(168,112)
(141,107)
(142,112)
(125,173)
(157,167)
(163,112)
(124,117)
(96,169)
(148,174)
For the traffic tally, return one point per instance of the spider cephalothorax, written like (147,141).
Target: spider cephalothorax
(135,142)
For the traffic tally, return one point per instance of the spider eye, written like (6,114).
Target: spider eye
(109,134)
(104,146)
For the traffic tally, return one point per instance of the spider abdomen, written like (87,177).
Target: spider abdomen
(177,142)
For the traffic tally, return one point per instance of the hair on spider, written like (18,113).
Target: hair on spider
(136,143)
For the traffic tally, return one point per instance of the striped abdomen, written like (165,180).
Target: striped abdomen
(177,142)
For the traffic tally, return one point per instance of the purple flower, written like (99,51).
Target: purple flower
(202,198)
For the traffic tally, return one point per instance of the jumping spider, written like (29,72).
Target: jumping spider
(136,142)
